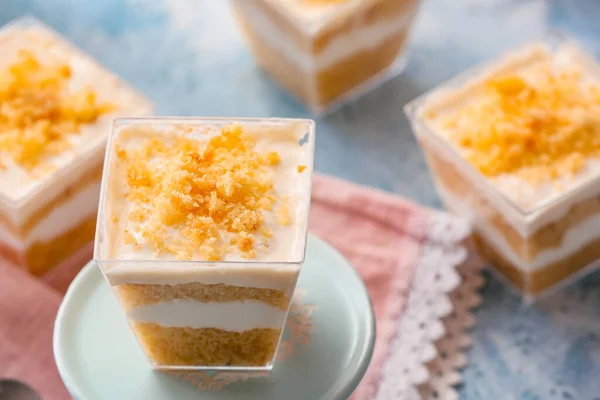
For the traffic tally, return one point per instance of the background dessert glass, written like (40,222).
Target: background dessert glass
(536,237)
(198,314)
(48,211)
(327,52)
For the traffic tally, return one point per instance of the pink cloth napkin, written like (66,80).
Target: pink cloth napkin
(380,234)
(27,311)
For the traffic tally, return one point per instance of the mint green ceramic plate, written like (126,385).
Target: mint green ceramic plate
(327,344)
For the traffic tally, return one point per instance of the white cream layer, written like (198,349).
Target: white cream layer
(178,273)
(21,194)
(340,48)
(574,239)
(10,239)
(234,316)
(61,219)
(532,207)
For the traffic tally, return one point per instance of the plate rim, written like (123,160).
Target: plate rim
(346,388)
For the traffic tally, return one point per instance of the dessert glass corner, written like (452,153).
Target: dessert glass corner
(15,206)
(33,207)
(518,242)
(254,349)
(328,61)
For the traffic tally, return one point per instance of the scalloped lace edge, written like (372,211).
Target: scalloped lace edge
(434,333)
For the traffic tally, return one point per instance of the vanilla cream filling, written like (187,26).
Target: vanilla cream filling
(8,238)
(574,239)
(236,316)
(178,273)
(342,47)
(66,216)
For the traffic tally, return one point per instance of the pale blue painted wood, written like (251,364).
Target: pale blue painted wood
(187,56)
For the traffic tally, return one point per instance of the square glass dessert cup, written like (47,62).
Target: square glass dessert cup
(202,234)
(513,146)
(57,107)
(327,52)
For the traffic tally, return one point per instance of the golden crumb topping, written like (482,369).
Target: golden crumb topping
(37,112)
(200,199)
(322,2)
(301,168)
(538,126)
(283,214)
(273,158)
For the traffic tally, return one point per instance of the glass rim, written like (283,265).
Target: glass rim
(120,122)
(200,120)
(216,264)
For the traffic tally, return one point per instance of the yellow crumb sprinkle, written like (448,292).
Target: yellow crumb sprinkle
(129,238)
(301,168)
(191,192)
(283,214)
(538,126)
(323,2)
(121,154)
(273,158)
(266,232)
(38,113)
(245,242)
(114,218)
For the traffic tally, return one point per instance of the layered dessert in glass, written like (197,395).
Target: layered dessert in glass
(515,146)
(202,233)
(326,52)
(56,107)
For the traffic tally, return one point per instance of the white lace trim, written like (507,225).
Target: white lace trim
(433,333)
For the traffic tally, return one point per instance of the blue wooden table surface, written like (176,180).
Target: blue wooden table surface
(187,56)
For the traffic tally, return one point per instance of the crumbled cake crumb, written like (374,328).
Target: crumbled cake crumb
(121,154)
(266,232)
(273,158)
(185,193)
(283,214)
(245,242)
(301,168)
(538,125)
(39,113)
(129,238)
(323,2)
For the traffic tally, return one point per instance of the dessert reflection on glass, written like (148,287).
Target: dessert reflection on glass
(515,145)
(326,52)
(202,232)
(56,107)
